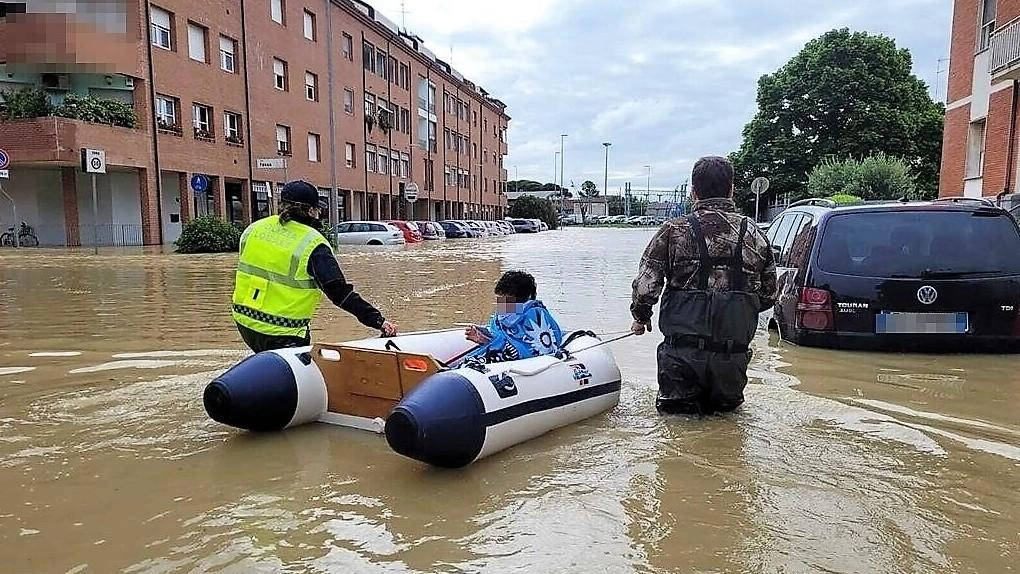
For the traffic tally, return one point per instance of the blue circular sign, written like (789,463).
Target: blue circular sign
(5,159)
(199,182)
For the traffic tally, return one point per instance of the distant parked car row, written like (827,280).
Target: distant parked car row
(398,232)
(632,220)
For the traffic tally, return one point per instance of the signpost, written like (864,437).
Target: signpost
(5,161)
(200,183)
(273,163)
(758,187)
(93,161)
(409,191)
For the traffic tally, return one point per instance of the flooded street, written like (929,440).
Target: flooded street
(837,462)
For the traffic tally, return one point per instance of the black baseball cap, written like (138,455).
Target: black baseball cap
(300,192)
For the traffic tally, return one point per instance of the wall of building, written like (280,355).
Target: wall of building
(37,195)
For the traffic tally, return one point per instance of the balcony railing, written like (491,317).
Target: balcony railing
(1005,48)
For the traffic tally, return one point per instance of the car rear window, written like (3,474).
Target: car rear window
(920,243)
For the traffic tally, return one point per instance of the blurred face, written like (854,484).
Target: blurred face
(507,305)
(315,212)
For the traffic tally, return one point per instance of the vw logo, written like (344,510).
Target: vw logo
(927,295)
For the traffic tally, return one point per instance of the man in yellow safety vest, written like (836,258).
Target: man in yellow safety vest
(284,266)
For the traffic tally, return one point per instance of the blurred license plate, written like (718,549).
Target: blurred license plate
(922,323)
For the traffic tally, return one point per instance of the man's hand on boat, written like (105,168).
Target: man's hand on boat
(639,328)
(477,335)
(388,329)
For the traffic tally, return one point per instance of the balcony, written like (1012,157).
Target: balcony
(62,43)
(1004,62)
(55,140)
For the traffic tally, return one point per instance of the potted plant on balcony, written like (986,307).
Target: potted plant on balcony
(203,134)
(234,139)
(370,122)
(24,103)
(167,126)
(385,120)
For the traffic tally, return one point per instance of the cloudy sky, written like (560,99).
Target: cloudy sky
(666,81)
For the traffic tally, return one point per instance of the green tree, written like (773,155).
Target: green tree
(874,178)
(533,207)
(846,94)
(588,189)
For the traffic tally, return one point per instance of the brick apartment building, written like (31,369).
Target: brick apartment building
(981,156)
(351,102)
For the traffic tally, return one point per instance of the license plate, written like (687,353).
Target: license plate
(922,323)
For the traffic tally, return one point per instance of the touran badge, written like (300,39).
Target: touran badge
(927,295)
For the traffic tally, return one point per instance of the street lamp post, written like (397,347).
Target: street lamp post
(605,180)
(562,202)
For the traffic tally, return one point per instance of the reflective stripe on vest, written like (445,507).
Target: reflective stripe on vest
(273,293)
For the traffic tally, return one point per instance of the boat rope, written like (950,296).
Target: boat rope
(569,356)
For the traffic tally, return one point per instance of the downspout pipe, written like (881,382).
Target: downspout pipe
(333,207)
(152,125)
(247,122)
(1012,143)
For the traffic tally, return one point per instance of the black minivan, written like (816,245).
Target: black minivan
(925,276)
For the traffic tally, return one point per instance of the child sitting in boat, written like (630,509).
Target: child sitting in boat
(520,328)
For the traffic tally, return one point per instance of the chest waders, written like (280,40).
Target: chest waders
(702,363)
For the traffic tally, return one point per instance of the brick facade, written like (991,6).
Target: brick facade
(249,91)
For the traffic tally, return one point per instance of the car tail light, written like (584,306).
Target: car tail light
(814,310)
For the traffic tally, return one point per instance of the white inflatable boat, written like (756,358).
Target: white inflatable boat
(402,386)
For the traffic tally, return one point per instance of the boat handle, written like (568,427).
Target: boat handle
(533,373)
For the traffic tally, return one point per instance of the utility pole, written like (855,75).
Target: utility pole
(562,202)
(605,180)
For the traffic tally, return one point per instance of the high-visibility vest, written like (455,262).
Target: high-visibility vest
(273,291)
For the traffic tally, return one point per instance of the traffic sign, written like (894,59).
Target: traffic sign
(759,185)
(271,163)
(199,182)
(411,192)
(93,160)
(5,159)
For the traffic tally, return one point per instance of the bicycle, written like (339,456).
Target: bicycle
(26,237)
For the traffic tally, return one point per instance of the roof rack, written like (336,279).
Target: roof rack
(958,199)
(814,201)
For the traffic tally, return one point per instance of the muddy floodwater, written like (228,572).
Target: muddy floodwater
(837,462)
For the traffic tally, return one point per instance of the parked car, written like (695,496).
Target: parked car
(411,232)
(430,230)
(939,275)
(456,230)
(493,228)
(368,233)
(478,227)
(525,225)
(542,226)
(507,227)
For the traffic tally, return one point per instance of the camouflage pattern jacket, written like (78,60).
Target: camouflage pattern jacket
(672,256)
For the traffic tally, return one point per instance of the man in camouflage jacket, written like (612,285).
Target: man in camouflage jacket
(719,273)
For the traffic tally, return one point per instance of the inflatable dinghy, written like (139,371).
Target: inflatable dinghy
(402,386)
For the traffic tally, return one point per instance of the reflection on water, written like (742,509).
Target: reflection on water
(838,462)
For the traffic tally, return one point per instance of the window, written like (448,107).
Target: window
(347,46)
(405,165)
(432,137)
(370,158)
(368,56)
(161,25)
(987,24)
(349,154)
(201,119)
(283,140)
(380,63)
(423,130)
(384,161)
(309,26)
(475,115)
(405,76)
(313,148)
(276,9)
(196,42)
(405,121)
(976,149)
(432,98)
(447,138)
(232,127)
(369,104)
(311,87)
(391,70)
(349,100)
(166,112)
(446,176)
(227,49)
(280,74)
(912,244)
(394,163)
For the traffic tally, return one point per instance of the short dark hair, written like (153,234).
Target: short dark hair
(517,284)
(712,177)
